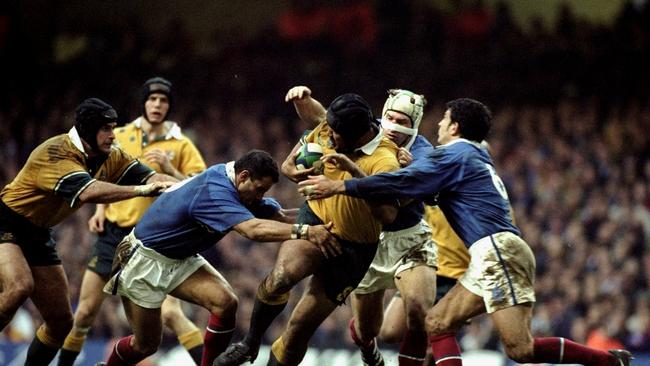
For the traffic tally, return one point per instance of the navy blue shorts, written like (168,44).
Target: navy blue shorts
(37,243)
(341,274)
(103,251)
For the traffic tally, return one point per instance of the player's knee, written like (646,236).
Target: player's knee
(147,345)
(85,314)
(520,352)
(437,324)
(224,305)
(16,293)
(279,281)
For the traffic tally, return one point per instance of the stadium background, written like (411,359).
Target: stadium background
(567,82)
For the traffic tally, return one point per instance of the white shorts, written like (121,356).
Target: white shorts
(501,271)
(149,276)
(398,251)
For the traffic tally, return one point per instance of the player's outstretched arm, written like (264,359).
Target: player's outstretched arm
(309,109)
(103,192)
(270,230)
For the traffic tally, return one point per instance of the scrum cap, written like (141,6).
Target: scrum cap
(409,104)
(91,115)
(157,85)
(350,116)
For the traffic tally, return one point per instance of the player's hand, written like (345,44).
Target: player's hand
(319,186)
(404,157)
(297,93)
(152,189)
(341,161)
(296,175)
(160,157)
(323,238)
(96,222)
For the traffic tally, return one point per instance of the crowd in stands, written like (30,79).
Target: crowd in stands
(570,136)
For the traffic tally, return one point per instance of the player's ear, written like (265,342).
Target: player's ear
(242,176)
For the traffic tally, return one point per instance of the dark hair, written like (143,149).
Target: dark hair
(473,117)
(259,163)
(90,116)
(156,85)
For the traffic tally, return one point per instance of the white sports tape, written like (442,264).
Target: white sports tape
(399,128)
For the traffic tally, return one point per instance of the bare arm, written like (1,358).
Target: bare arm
(271,230)
(103,192)
(309,109)
(160,177)
(96,221)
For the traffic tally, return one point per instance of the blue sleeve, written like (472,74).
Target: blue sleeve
(266,209)
(421,148)
(419,181)
(221,212)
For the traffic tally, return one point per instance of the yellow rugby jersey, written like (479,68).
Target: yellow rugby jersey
(46,189)
(182,153)
(352,217)
(453,257)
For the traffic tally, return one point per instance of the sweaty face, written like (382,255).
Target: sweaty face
(253,190)
(156,107)
(401,119)
(444,133)
(105,137)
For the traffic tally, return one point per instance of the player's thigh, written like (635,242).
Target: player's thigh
(450,313)
(417,286)
(513,326)
(297,259)
(208,288)
(14,270)
(51,296)
(394,324)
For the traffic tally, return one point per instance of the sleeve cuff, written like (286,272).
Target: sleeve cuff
(352,187)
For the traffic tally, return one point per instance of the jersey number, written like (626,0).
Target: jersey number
(498,183)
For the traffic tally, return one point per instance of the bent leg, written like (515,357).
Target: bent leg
(368,312)
(394,325)
(209,289)
(513,325)
(309,313)
(16,281)
(417,286)
(91,298)
(147,334)
(445,318)
(188,334)
(51,298)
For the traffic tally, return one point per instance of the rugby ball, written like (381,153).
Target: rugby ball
(307,155)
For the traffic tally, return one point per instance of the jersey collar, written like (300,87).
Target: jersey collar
(172,128)
(461,140)
(372,145)
(73,134)
(230,171)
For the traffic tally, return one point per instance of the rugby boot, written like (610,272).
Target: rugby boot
(370,356)
(236,354)
(624,357)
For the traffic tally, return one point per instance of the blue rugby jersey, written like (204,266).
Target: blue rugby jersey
(461,174)
(411,214)
(196,213)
